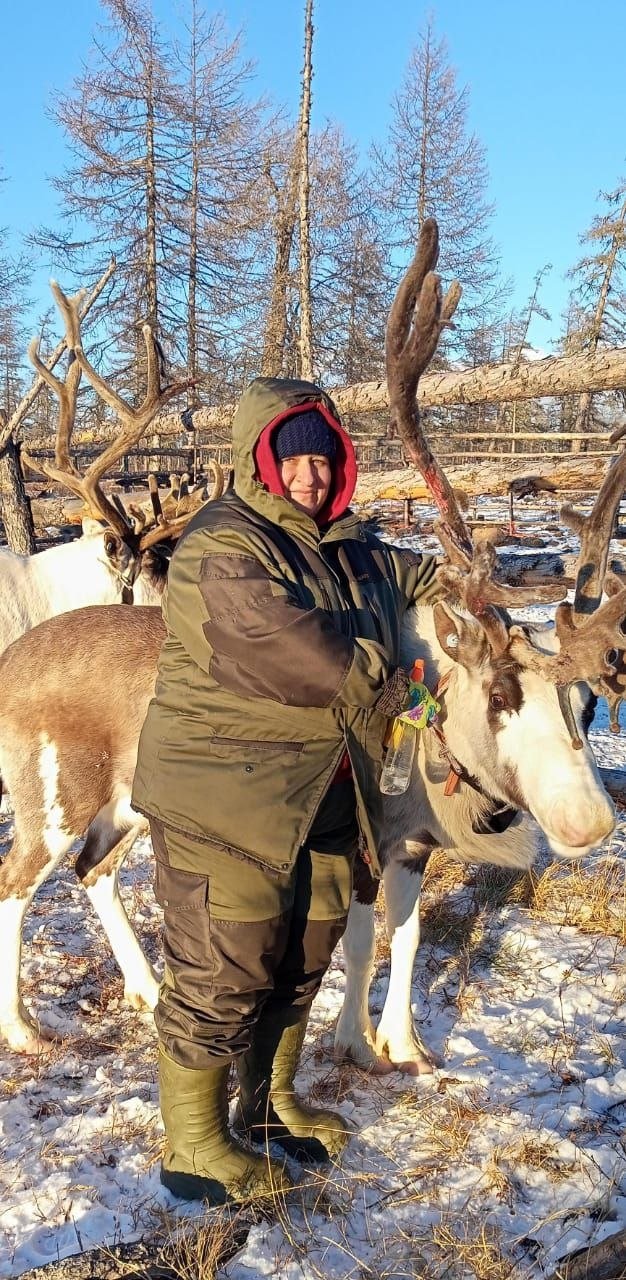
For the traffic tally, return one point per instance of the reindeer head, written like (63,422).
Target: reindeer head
(115,552)
(503,722)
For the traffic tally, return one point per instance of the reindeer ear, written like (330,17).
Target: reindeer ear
(462,639)
(91,526)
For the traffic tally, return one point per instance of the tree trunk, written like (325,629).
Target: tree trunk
(488,384)
(306,321)
(273,358)
(14,503)
(581,422)
(192,267)
(151,209)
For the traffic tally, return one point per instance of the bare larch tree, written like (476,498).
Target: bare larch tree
(431,164)
(597,311)
(304,125)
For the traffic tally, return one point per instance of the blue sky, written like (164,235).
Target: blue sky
(545,81)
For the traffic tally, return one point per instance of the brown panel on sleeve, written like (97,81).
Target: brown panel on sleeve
(265,644)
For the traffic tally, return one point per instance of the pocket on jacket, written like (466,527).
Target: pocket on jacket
(244,745)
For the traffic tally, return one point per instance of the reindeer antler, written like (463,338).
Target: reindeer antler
(592,635)
(134,421)
(416,319)
(594,531)
(166,516)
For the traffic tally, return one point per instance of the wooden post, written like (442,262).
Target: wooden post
(154,461)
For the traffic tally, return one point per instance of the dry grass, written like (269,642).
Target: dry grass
(443,873)
(589,895)
(454,925)
(497,887)
(471,1250)
(541,1154)
(188,1248)
(447,1124)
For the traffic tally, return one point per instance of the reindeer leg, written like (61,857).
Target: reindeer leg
(23,1033)
(97,868)
(396,1036)
(355,1038)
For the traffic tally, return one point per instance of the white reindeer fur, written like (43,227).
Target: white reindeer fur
(537,743)
(62,578)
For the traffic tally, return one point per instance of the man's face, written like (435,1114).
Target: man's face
(306,481)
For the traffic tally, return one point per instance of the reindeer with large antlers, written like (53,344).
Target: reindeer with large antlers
(510,740)
(515,705)
(116,558)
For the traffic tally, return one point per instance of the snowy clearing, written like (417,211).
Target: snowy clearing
(501,1163)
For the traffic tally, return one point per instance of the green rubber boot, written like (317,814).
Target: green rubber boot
(268,1109)
(202,1160)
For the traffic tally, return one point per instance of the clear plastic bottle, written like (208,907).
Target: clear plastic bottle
(396,773)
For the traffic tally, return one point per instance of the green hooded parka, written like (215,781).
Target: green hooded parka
(281,635)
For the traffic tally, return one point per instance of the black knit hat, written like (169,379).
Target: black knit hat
(306,432)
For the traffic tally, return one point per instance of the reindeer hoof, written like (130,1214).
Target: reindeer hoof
(417,1060)
(382,1066)
(364,1057)
(35,1041)
(143,998)
(415,1067)
(143,1002)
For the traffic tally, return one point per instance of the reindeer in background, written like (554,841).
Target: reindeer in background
(116,559)
(511,735)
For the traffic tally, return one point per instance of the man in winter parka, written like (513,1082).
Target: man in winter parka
(258,767)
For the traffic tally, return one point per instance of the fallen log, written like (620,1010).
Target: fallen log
(604,370)
(478,478)
(615,782)
(604,1261)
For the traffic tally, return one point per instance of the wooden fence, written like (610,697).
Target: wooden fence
(373,454)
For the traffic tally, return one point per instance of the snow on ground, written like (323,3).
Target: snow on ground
(506,1159)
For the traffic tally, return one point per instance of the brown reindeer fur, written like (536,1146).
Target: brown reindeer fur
(65,693)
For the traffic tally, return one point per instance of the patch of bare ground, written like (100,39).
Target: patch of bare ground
(176,1250)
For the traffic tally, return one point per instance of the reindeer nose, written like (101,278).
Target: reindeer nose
(581,825)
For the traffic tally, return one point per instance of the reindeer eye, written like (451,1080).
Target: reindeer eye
(109,544)
(497,701)
(452,640)
(611,657)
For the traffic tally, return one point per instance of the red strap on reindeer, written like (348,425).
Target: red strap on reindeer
(452,782)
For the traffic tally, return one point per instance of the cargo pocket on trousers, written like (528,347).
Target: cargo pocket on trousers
(331,885)
(180,890)
(183,895)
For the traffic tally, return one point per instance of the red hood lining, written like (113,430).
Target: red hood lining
(344,470)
